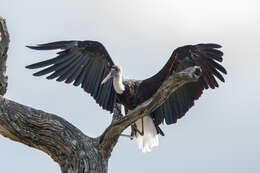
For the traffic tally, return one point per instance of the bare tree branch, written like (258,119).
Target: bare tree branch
(68,146)
(4,44)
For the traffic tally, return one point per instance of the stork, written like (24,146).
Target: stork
(87,63)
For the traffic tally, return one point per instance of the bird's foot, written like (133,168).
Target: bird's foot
(127,136)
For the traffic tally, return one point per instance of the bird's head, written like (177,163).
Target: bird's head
(114,72)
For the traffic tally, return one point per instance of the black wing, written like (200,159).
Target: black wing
(84,63)
(203,55)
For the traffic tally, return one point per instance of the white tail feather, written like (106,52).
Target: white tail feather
(150,137)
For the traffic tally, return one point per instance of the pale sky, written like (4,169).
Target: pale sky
(219,134)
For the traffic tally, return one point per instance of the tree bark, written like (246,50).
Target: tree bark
(74,151)
(4,44)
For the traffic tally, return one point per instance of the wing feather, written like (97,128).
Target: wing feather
(76,73)
(80,78)
(179,102)
(76,67)
(84,63)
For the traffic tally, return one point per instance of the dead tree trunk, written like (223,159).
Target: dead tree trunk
(68,146)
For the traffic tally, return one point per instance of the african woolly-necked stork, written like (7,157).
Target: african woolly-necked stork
(87,63)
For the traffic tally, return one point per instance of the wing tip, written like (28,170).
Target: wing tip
(29,66)
(36,74)
(210,45)
(32,47)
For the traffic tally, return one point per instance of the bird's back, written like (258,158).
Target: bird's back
(136,92)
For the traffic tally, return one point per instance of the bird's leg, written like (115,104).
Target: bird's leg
(133,131)
(137,130)
(159,130)
(142,134)
(128,136)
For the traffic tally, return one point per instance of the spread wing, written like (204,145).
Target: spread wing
(207,56)
(84,63)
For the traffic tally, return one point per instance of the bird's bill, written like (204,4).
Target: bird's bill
(107,78)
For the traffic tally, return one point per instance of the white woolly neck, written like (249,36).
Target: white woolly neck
(118,83)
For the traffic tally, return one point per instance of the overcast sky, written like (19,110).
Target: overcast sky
(219,134)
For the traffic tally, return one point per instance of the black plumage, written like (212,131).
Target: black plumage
(84,63)
(87,63)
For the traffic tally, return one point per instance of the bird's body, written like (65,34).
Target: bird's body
(132,96)
(88,64)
